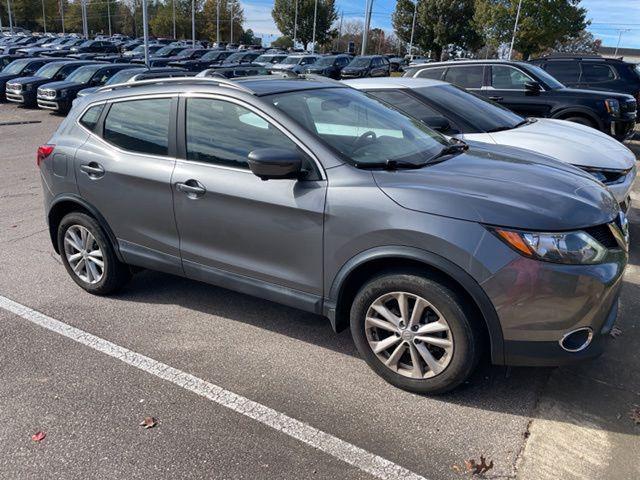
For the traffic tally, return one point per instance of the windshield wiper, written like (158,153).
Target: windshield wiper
(526,121)
(450,150)
(389,164)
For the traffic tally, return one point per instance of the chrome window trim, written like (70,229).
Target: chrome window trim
(264,116)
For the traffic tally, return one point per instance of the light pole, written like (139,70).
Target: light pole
(620,32)
(174,19)
(340,31)
(145,32)
(315,16)
(295,26)
(193,23)
(367,24)
(62,14)
(85,23)
(44,19)
(10,17)
(109,16)
(515,29)
(231,15)
(218,23)
(413,29)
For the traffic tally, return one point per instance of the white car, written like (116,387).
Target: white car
(458,113)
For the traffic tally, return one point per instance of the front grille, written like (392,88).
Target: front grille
(47,93)
(14,87)
(629,106)
(603,234)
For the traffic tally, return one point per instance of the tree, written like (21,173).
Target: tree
(283,14)
(249,38)
(541,24)
(440,24)
(584,42)
(284,42)
(227,7)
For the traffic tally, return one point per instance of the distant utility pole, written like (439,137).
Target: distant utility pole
(515,29)
(145,32)
(340,30)
(413,29)
(231,15)
(367,24)
(62,14)
(109,16)
(295,26)
(620,32)
(315,17)
(44,19)
(10,17)
(85,23)
(218,23)
(174,19)
(193,23)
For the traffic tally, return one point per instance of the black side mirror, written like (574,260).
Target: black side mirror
(439,124)
(275,163)
(533,87)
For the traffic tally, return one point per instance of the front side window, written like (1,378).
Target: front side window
(139,125)
(224,133)
(508,78)
(597,72)
(362,130)
(466,76)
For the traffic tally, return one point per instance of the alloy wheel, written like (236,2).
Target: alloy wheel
(83,254)
(409,335)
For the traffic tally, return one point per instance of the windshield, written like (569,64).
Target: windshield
(165,50)
(84,74)
(211,55)
(483,115)
(185,53)
(326,61)
(292,60)
(363,130)
(360,62)
(49,70)
(16,66)
(139,49)
(124,76)
(236,57)
(88,43)
(545,77)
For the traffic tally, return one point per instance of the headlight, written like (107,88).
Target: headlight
(613,106)
(566,247)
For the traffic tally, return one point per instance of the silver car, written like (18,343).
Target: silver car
(458,113)
(312,194)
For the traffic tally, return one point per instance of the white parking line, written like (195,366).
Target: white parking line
(325,442)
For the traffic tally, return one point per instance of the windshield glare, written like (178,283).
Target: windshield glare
(88,43)
(483,115)
(123,76)
(545,77)
(16,66)
(211,55)
(49,70)
(83,74)
(164,50)
(292,60)
(360,62)
(235,57)
(362,130)
(326,61)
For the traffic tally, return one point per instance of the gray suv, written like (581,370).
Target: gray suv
(311,194)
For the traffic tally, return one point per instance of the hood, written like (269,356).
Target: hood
(579,92)
(87,91)
(61,85)
(283,66)
(8,76)
(503,186)
(24,80)
(569,142)
(354,69)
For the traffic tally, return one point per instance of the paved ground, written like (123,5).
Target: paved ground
(90,404)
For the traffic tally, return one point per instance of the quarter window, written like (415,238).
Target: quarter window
(597,72)
(466,76)
(224,133)
(90,118)
(139,125)
(433,73)
(508,78)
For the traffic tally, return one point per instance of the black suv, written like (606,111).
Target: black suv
(91,48)
(530,91)
(23,90)
(367,66)
(330,66)
(58,96)
(186,54)
(209,59)
(594,72)
(164,52)
(20,68)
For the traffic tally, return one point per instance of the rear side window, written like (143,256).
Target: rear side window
(139,125)
(466,77)
(90,118)
(433,73)
(565,71)
(597,72)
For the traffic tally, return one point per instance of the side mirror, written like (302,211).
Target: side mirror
(275,163)
(533,87)
(439,124)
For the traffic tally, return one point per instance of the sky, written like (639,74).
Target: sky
(607,17)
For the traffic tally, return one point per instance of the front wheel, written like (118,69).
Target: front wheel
(415,333)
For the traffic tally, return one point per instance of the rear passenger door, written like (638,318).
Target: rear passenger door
(234,227)
(124,170)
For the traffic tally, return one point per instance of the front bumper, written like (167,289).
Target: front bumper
(622,129)
(49,104)
(14,97)
(622,189)
(540,302)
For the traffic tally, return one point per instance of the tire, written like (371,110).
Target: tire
(444,308)
(113,273)
(581,120)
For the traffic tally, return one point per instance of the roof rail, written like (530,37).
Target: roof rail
(223,82)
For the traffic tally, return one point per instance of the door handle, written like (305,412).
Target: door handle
(192,188)
(495,99)
(93,169)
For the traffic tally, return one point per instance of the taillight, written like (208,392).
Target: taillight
(43,152)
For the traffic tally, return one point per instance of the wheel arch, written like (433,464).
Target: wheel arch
(578,112)
(65,204)
(368,264)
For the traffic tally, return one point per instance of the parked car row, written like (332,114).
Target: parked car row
(431,246)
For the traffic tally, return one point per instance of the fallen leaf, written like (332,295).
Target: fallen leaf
(148,422)
(38,436)
(615,332)
(635,414)
(457,469)
(481,468)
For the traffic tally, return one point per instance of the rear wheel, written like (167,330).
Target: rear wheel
(88,255)
(415,333)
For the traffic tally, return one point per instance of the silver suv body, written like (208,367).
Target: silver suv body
(311,194)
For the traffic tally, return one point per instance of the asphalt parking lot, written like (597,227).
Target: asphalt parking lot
(572,422)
